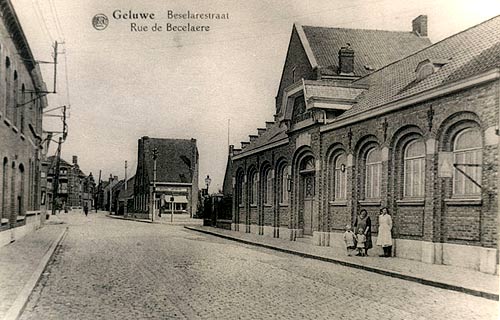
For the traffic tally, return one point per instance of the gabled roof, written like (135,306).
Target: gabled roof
(175,159)
(467,53)
(373,49)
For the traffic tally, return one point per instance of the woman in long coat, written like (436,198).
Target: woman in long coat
(384,238)
(364,222)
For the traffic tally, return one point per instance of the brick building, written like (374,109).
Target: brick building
(75,187)
(176,176)
(21,105)
(366,119)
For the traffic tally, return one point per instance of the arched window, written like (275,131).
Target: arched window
(414,169)
(283,174)
(252,183)
(267,191)
(340,178)
(467,156)
(373,168)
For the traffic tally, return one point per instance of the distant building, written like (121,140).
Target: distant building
(176,176)
(22,100)
(75,188)
(107,192)
(126,197)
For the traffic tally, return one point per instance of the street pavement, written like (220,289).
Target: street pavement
(118,269)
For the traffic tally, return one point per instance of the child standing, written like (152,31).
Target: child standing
(350,240)
(361,240)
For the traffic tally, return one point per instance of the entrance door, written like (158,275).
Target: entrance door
(308,198)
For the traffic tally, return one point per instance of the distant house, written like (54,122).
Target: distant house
(75,187)
(126,197)
(176,176)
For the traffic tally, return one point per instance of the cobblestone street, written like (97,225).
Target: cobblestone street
(116,269)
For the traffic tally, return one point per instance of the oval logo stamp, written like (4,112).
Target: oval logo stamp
(100,21)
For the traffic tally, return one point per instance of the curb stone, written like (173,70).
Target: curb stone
(385,272)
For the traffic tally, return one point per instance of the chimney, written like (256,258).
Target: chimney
(419,25)
(269,124)
(244,144)
(346,60)
(75,159)
(253,137)
(260,131)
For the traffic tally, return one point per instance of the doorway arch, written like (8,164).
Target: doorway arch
(305,192)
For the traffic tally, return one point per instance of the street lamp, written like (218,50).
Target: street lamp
(207,182)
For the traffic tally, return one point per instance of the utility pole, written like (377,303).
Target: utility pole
(98,191)
(153,193)
(55,66)
(55,186)
(110,193)
(125,175)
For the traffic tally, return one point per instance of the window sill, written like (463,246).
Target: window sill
(253,206)
(266,205)
(15,129)
(338,203)
(20,218)
(463,201)
(410,202)
(23,137)
(370,202)
(7,122)
(5,221)
(283,204)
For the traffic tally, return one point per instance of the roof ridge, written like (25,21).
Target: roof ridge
(428,48)
(361,29)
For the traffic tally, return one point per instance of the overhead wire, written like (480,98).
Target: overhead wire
(43,27)
(57,21)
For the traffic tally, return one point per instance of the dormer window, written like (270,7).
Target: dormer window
(428,66)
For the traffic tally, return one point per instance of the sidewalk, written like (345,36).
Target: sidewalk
(21,264)
(441,276)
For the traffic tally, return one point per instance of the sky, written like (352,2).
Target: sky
(215,86)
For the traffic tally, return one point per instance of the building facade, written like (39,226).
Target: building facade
(22,99)
(418,135)
(176,177)
(75,188)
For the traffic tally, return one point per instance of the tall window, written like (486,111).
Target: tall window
(7,88)
(467,156)
(14,100)
(239,188)
(4,187)
(284,185)
(253,188)
(373,168)
(414,169)
(268,187)
(340,178)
